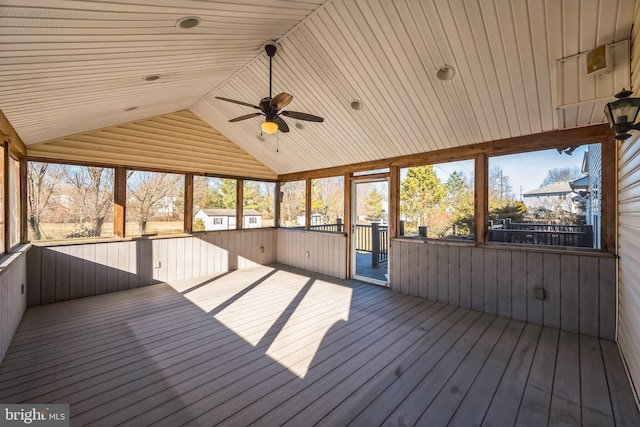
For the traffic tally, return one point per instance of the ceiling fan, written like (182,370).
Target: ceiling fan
(271,108)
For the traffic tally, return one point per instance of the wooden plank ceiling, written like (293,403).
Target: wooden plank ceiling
(68,67)
(175,141)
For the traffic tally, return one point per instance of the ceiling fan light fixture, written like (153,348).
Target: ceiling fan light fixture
(269,127)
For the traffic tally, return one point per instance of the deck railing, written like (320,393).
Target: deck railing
(542,234)
(373,239)
(331,228)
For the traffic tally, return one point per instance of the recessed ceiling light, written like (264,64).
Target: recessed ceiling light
(299,125)
(446,72)
(356,105)
(130,108)
(151,78)
(188,22)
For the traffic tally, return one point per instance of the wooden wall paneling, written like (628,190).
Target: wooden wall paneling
(233,258)
(145,261)
(405,265)
(213,253)
(180,258)
(534,280)
(607,299)
(394,266)
(225,256)
(465,276)
(477,278)
(172,259)
(423,272)
(504,282)
(88,270)
(491,281)
(519,285)
(62,273)
(188,256)
(454,275)
(102,261)
(124,257)
(133,272)
(75,272)
(112,267)
(34,273)
(195,255)
(432,272)
(569,293)
(551,267)
(204,252)
(414,269)
(443,273)
(588,300)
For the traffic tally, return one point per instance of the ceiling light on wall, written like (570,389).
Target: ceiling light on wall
(445,72)
(188,22)
(269,127)
(151,78)
(356,105)
(622,114)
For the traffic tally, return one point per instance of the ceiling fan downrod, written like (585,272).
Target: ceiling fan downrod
(270,49)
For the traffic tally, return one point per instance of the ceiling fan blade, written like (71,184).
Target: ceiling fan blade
(281,100)
(302,116)
(245,117)
(282,125)
(246,104)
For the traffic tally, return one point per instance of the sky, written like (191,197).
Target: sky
(526,171)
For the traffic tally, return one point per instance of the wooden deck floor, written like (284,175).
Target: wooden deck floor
(278,346)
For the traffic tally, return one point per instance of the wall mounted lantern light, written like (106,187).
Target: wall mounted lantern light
(622,114)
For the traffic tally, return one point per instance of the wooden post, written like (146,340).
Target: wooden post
(481,200)
(375,244)
(347,221)
(239,204)
(24,224)
(188,203)
(119,201)
(394,201)
(609,194)
(276,209)
(6,194)
(339,225)
(307,204)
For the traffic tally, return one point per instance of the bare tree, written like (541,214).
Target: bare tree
(41,182)
(148,192)
(92,196)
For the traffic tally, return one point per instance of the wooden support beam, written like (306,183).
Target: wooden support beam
(239,203)
(120,202)
(481,205)
(347,220)
(277,201)
(394,201)
(24,225)
(307,204)
(188,203)
(6,194)
(609,194)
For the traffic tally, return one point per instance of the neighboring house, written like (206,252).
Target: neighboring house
(591,165)
(225,219)
(556,197)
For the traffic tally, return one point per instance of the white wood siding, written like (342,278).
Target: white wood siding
(59,273)
(629,232)
(13,301)
(579,289)
(629,250)
(327,252)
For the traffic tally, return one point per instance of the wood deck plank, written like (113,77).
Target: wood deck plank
(473,408)
(273,345)
(534,407)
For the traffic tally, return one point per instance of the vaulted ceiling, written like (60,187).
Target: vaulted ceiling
(68,67)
